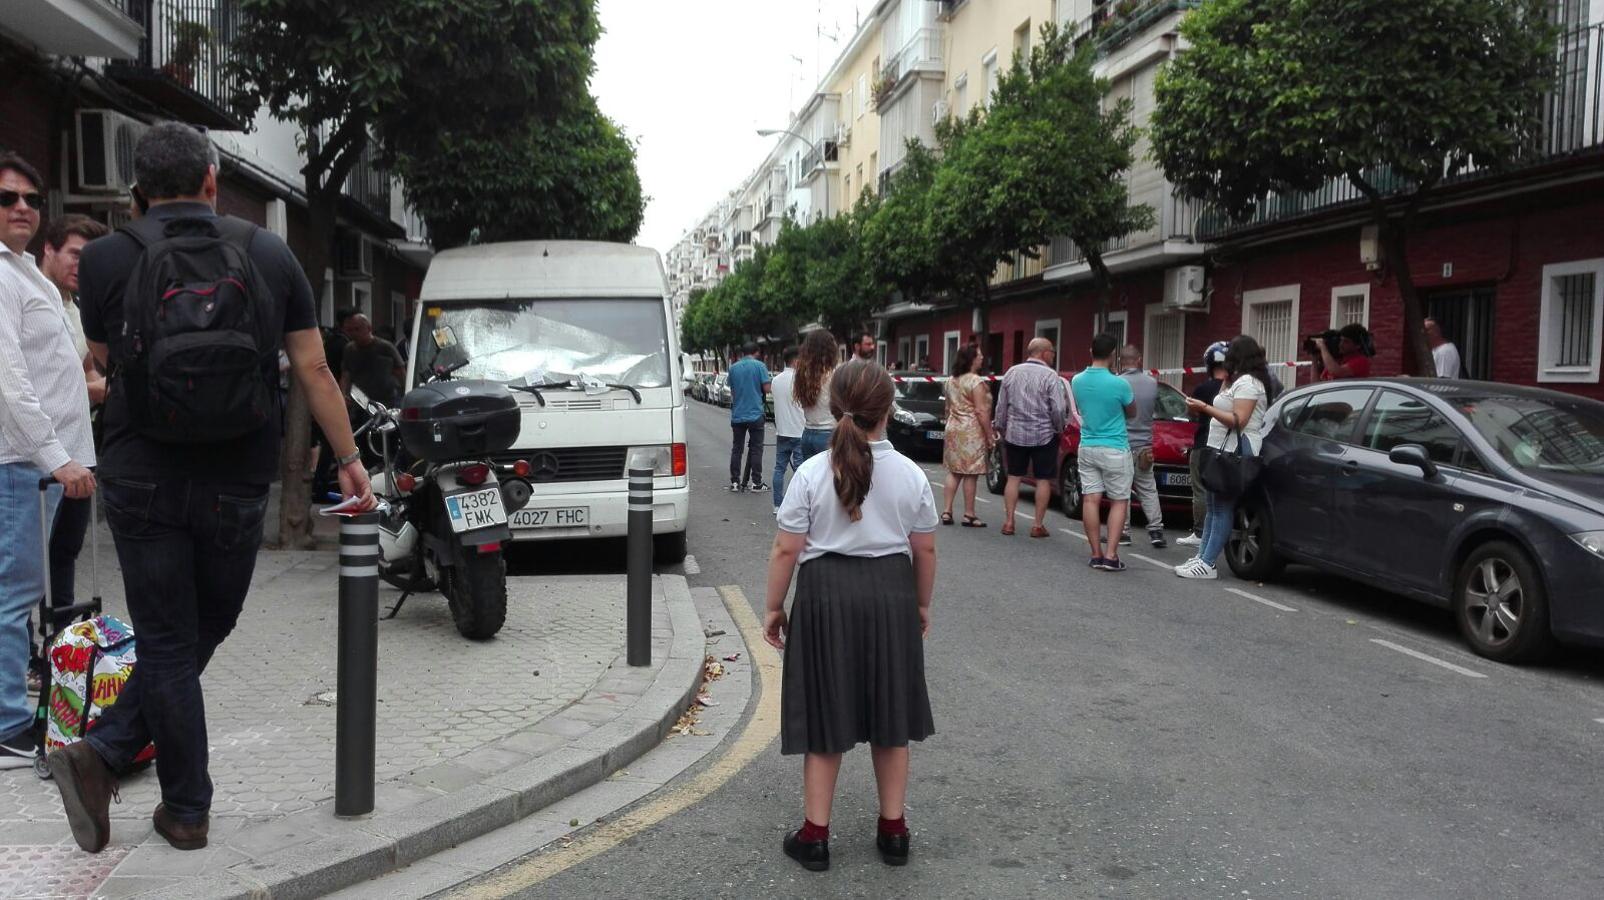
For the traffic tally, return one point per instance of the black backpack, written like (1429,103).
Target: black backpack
(200,350)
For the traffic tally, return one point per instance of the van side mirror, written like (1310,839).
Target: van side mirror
(1414,455)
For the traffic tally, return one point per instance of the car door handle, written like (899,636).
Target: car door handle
(1350,467)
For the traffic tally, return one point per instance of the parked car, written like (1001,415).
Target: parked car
(1173,431)
(1486,499)
(719,389)
(918,417)
(700,389)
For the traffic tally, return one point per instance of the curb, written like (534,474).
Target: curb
(598,744)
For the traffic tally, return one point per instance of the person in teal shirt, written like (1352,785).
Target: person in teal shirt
(1103,401)
(749,381)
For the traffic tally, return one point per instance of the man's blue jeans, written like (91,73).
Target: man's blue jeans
(22,584)
(787,455)
(187,551)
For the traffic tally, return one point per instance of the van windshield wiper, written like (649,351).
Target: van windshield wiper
(570,384)
(530,389)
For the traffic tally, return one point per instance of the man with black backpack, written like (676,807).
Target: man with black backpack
(188,310)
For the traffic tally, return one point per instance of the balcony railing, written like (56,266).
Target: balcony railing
(1111,29)
(821,153)
(922,53)
(368,185)
(1572,125)
(183,59)
(1177,219)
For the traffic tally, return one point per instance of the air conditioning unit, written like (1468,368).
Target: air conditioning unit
(938,111)
(106,142)
(1185,288)
(1369,248)
(355,256)
(843,137)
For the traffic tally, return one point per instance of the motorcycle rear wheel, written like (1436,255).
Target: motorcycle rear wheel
(476,591)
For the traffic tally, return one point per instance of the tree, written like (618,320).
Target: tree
(820,272)
(895,235)
(1280,96)
(343,73)
(570,176)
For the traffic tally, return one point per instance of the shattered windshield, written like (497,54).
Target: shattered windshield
(552,341)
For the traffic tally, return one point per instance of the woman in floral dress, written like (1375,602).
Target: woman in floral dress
(969,433)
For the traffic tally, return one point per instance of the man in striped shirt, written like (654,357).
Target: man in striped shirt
(1032,408)
(44,433)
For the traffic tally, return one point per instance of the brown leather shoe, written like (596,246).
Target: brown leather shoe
(181,835)
(87,788)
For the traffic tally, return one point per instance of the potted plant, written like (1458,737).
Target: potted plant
(189,41)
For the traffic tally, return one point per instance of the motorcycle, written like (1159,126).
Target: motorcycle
(448,500)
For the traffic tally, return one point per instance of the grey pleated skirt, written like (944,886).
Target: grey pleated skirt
(854,658)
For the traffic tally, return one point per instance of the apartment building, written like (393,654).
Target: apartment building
(85,78)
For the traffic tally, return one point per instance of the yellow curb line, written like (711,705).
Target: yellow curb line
(753,740)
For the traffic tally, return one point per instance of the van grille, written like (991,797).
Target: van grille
(555,464)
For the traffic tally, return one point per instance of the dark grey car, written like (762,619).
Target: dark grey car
(1484,498)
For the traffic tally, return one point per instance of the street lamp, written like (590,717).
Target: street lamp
(770,132)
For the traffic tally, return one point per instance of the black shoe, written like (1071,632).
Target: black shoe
(1125,539)
(1157,537)
(893,848)
(813,855)
(735,487)
(758,487)
(17,751)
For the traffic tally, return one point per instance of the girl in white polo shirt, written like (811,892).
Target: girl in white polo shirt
(861,521)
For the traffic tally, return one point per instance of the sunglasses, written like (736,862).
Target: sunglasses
(9,199)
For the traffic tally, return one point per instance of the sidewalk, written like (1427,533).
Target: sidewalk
(471,736)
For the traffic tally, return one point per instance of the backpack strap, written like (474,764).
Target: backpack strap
(237,231)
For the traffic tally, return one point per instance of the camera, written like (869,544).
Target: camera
(1330,337)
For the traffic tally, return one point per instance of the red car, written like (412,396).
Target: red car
(1172,441)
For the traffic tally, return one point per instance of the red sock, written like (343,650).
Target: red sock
(811,832)
(894,827)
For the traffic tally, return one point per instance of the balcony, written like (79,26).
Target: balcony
(821,154)
(1573,128)
(1116,24)
(75,27)
(922,53)
(182,61)
(368,185)
(1177,222)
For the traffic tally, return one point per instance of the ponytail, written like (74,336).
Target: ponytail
(860,399)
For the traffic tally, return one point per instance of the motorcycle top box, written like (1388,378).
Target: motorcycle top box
(453,420)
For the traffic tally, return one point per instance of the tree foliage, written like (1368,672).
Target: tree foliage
(1283,95)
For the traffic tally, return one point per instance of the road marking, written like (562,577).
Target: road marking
(1599,721)
(1073,533)
(1472,673)
(753,740)
(983,499)
(692,567)
(1151,561)
(1257,599)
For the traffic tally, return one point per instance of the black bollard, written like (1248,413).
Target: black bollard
(639,614)
(358,666)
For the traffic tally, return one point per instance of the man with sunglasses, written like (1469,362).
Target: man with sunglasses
(44,432)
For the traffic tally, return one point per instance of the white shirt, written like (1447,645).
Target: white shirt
(75,321)
(1447,359)
(818,415)
(787,414)
(899,503)
(1244,388)
(44,403)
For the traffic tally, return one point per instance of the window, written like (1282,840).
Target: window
(1113,324)
(960,95)
(949,350)
(921,352)
(1050,329)
(1332,415)
(847,193)
(1401,419)
(846,108)
(1022,40)
(1164,337)
(1539,435)
(863,93)
(904,353)
(1290,412)
(1350,304)
(988,77)
(1170,404)
(861,183)
(1571,324)
(880,353)
(1271,316)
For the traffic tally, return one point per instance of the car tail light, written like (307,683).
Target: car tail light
(521,468)
(406,482)
(492,547)
(412,413)
(680,465)
(475,475)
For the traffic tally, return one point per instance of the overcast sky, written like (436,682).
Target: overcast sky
(692,80)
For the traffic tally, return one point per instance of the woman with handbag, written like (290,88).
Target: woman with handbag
(1236,431)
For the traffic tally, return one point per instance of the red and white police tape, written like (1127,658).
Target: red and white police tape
(1184,370)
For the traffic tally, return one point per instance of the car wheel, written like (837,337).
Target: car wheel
(1250,551)
(1069,496)
(1500,604)
(996,480)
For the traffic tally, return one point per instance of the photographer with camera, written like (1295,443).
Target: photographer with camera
(1341,354)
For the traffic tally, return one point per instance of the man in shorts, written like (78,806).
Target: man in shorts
(1032,407)
(1104,401)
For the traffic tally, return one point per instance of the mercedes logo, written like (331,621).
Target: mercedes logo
(543,467)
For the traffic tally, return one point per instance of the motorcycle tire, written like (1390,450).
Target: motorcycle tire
(476,591)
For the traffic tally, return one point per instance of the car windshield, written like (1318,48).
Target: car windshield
(920,390)
(550,341)
(1538,435)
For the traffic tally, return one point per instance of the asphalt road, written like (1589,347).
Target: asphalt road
(1137,735)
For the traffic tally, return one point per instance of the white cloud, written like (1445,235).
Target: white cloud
(691,81)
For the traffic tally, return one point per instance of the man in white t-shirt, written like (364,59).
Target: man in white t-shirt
(1444,354)
(787,425)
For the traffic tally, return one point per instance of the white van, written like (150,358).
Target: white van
(587,326)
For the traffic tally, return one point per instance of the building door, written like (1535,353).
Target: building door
(1466,318)
(994,353)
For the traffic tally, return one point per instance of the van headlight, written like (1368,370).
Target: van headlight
(658,458)
(1592,541)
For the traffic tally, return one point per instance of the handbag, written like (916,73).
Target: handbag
(1229,473)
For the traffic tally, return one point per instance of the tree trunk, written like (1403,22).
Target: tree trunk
(295,501)
(1417,359)
(983,319)
(1104,284)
